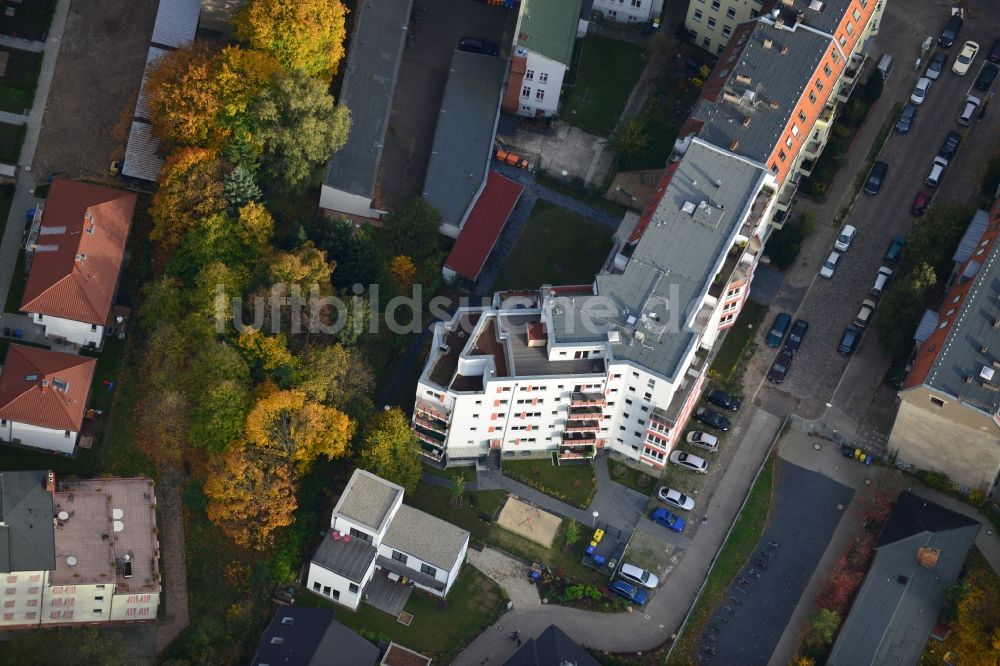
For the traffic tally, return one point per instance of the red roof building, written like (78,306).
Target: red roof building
(76,256)
(483,227)
(44,388)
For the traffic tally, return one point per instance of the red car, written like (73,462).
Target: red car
(921,202)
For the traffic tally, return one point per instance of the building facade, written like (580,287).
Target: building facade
(94,561)
(629,11)
(949,413)
(711,23)
(373,533)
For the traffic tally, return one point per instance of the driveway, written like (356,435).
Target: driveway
(423,73)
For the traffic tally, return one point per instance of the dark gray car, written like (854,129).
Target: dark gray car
(906,117)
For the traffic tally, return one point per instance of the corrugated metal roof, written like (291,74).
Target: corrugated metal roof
(369,83)
(176,22)
(970,240)
(928,322)
(142,104)
(463,140)
(142,159)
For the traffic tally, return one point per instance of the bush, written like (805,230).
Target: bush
(936,481)
(855,112)
(784,245)
(873,89)
(842,131)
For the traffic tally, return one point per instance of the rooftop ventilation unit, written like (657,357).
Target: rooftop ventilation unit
(816,6)
(986,373)
(71,561)
(688,207)
(630,320)
(614,336)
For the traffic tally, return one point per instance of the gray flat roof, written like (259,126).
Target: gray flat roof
(369,83)
(463,140)
(142,158)
(672,267)
(350,559)
(176,22)
(426,537)
(962,354)
(824,15)
(27,539)
(774,77)
(970,239)
(367,499)
(142,103)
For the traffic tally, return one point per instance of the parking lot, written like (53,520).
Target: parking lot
(423,73)
(830,305)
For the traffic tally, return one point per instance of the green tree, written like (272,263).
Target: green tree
(631,139)
(873,89)
(571,531)
(240,187)
(389,449)
(335,375)
(413,230)
(306,35)
(934,240)
(901,309)
(300,127)
(352,249)
(823,625)
(457,491)
(220,387)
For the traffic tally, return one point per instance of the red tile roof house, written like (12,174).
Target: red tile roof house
(43,396)
(75,250)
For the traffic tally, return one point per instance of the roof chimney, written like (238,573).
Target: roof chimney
(734,144)
(746,120)
(799,15)
(779,23)
(768,42)
(773,104)
(50,482)
(784,49)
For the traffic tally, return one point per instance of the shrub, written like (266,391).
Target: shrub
(873,89)
(842,131)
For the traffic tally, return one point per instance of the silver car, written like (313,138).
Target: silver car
(675,498)
(702,439)
(689,461)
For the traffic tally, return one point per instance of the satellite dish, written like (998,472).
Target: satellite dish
(63,515)
(117,514)
(118,526)
(71,560)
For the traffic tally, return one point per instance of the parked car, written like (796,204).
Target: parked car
(895,249)
(937,171)
(722,399)
(830,265)
(969,109)
(672,522)
(849,340)
(704,440)
(473,45)
(689,461)
(865,314)
(712,418)
(950,32)
(780,366)
(906,117)
(994,55)
(936,65)
(950,145)
(843,241)
(920,202)
(920,90)
(777,333)
(630,592)
(796,335)
(965,58)
(638,576)
(876,177)
(675,498)
(987,75)
(881,280)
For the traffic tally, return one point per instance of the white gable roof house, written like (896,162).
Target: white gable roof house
(377,547)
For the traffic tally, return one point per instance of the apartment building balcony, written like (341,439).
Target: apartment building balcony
(578,439)
(431,437)
(431,452)
(721,280)
(585,414)
(582,426)
(787,194)
(588,400)
(660,422)
(826,118)
(433,425)
(431,411)
(577,452)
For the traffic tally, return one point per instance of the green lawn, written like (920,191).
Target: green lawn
(439,629)
(11,138)
(608,70)
(469,473)
(728,360)
(575,188)
(573,484)
(17,88)
(632,478)
(733,556)
(663,122)
(556,247)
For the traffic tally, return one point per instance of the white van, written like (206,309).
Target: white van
(969,110)
(937,171)
(881,280)
(884,66)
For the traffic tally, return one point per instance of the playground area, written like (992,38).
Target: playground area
(529,521)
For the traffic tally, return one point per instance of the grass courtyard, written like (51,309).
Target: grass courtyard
(17,86)
(637,480)
(556,247)
(608,70)
(573,484)
(11,138)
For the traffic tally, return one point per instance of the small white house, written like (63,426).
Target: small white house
(43,397)
(370,530)
(629,11)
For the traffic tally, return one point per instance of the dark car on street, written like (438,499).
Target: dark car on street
(780,367)
(987,75)
(722,399)
(712,418)
(950,145)
(895,249)
(994,54)
(849,340)
(905,121)
(796,335)
(876,178)
(778,329)
(672,522)
(920,202)
(473,45)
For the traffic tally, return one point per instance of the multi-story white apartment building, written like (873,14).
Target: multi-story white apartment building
(615,364)
(712,22)
(373,533)
(543,51)
(629,11)
(81,553)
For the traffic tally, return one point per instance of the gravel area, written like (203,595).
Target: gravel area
(508,573)
(802,521)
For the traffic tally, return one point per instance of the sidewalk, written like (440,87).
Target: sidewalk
(652,626)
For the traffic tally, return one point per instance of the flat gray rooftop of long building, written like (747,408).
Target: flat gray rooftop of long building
(369,83)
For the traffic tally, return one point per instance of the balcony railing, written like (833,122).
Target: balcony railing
(588,400)
(570,440)
(431,424)
(434,453)
(423,407)
(430,436)
(576,453)
(585,414)
(582,426)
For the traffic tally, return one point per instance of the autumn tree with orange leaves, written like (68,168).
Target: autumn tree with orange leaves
(306,35)
(190,189)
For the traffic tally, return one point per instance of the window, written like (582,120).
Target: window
(827,70)
(66,433)
(11,579)
(637,3)
(30,616)
(697,15)
(101,599)
(730,13)
(754,13)
(711,23)
(9,603)
(316,586)
(707,43)
(543,77)
(812,97)
(802,116)
(428,569)
(358,534)
(727,30)
(399,557)
(353,588)
(856,15)
(96,611)
(835,56)
(719,49)
(795,130)
(716,4)
(326,590)
(850,28)
(819,85)
(526,91)
(529,75)
(11,590)
(32,602)
(843,41)
(937,402)
(788,142)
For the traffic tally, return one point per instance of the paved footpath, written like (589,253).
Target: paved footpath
(172,514)
(647,628)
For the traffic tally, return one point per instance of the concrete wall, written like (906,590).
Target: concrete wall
(336,588)
(708,24)
(137,606)
(22,598)
(40,438)
(628,11)
(77,332)
(952,438)
(445,576)
(541,75)
(65,604)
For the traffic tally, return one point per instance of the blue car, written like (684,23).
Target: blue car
(778,329)
(630,592)
(668,520)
